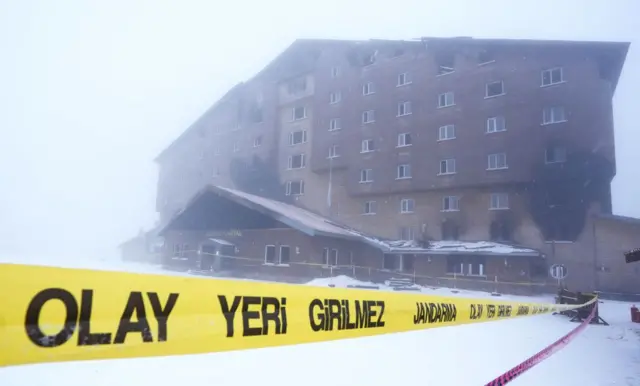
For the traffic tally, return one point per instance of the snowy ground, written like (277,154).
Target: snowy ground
(463,355)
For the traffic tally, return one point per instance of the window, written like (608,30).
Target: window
(485,57)
(367,146)
(335,97)
(333,152)
(476,267)
(297,137)
(216,151)
(407,205)
(216,172)
(330,257)
(285,254)
(447,166)
(334,257)
(553,115)
(335,124)
(552,76)
(236,147)
(555,154)
(257,141)
(369,207)
(446,132)
(298,113)
(499,231)
(295,188)
(370,59)
(404,108)
(499,201)
(404,139)
(368,117)
(366,175)
(495,124)
(494,89)
(270,254)
(454,265)
(445,63)
(391,262)
(297,86)
(450,203)
(446,99)
(296,161)
(404,171)
(497,161)
(406,233)
(368,89)
(403,79)
(450,230)
(335,72)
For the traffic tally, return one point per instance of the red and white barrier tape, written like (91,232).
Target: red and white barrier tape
(544,354)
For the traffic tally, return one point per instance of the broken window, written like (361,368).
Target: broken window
(369,59)
(494,89)
(445,63)
(450,230)
(555,154)
(485,56)
(391,262)
(499,231)
(297,86)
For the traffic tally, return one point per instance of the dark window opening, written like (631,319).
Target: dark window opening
(391,262)
(285,254)
(445,63)
(369,59)
(450,231)
(407,262)
(485,56)
(270,254)
(454,265)
(397,52)
(499,231)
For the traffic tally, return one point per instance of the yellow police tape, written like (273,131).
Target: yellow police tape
(52,314)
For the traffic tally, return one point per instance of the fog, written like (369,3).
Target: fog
(91,92)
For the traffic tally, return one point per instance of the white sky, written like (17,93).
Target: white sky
(91,91)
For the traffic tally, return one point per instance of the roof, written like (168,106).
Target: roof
(314,224)
(617,51)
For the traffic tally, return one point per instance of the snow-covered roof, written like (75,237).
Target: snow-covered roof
(316,225)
